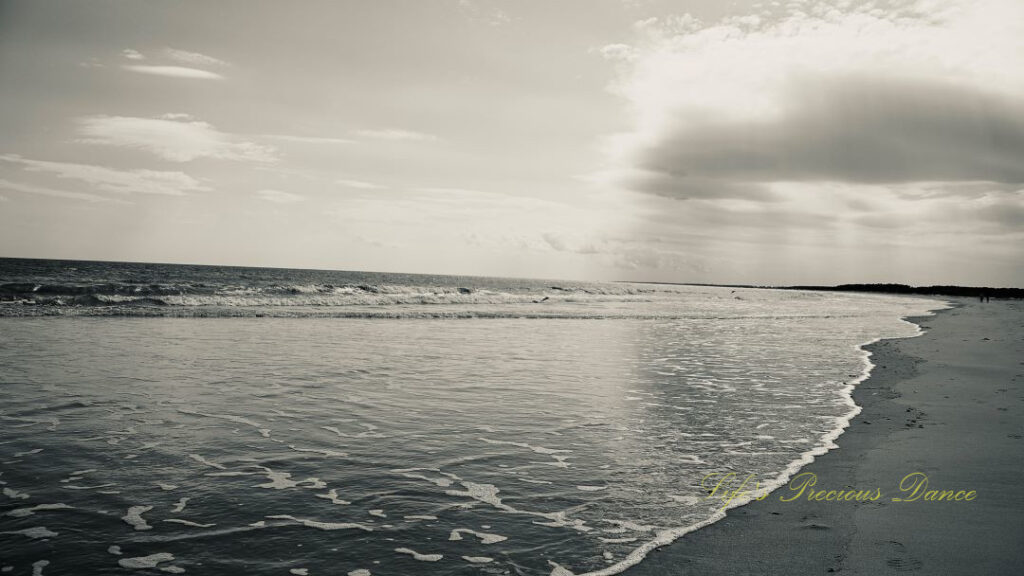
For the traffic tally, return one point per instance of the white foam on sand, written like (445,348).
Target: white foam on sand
(443,482)
(134,517)
(96,487)
(333,497)
(12,493)
(561,519)
(35,533)
(421,557)
(484,537)
(624,525)
(329,453)
(322,525)
(486,493)
(202,460)
(826,443)
(189,523)
(558,455)
(282,481)
(23,512)
(151,561)
(559,570)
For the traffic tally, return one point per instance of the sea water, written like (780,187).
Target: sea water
(217,420)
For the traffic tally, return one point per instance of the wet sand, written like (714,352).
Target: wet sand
(949,404)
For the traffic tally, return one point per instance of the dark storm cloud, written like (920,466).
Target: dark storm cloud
(855,130)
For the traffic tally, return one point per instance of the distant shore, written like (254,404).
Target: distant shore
(888,288)
(947,404)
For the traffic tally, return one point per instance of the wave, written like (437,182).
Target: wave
(428,313)
(826,443)
(124,299)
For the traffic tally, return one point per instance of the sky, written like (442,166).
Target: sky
(783,142)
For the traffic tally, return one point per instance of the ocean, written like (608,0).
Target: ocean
(220,420)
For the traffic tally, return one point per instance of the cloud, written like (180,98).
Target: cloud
(461,194)
(359,184)
(174,72)
(851,130)
(280,197)
(395,134)
(484,12)
(192,58)
(308,139)
(188,65)
(44,191)
(174,137)
(830,92)
(112,180)
(623,52)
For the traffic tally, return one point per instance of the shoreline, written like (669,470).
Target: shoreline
(909,422)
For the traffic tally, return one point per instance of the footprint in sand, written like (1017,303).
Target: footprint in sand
(901,561)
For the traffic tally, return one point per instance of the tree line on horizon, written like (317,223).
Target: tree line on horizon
(967,291)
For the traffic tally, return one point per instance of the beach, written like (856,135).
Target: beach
(946,404)
(332,421)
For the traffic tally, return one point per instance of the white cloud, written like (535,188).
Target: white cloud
(132,54)
(192,58)
(623,52)
(45,191)
(174,137)
(395,134)
(308,139)
(359,184)
(280,197)
(484,12)
(174,72)
(113,180)
(459,193)
(830,91)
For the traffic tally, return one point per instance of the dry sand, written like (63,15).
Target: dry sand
(950,404)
